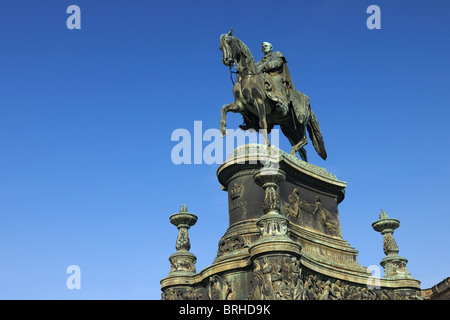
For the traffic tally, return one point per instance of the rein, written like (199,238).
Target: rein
(231,75)
(242,72)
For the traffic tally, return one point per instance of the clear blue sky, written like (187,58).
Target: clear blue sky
(86,118)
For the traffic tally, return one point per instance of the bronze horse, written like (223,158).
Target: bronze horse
(258,111)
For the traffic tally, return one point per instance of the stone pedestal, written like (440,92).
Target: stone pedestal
(393,264)
(284,239)
(182,262)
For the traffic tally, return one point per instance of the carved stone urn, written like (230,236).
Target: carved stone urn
(183,262)
(393,264)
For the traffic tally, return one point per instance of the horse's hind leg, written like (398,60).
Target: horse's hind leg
(299,147)
(263,124)
(302,153)
(261,109)
(291,135)
(298,141)
(235,106)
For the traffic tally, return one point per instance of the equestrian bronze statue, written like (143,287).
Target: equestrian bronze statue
(265,96)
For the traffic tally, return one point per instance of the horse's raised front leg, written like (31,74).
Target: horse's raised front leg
(235,106)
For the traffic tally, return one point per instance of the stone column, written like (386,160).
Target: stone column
(272,223)
(393,264)
(183,262)
(275,256)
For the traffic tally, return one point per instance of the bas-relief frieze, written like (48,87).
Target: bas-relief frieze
(283,278)
(230,244)
(309,214)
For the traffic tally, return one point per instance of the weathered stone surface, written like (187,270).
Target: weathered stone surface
(182,262)
(440,291)
(393,264)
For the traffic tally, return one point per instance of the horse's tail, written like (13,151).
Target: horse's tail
(316,136)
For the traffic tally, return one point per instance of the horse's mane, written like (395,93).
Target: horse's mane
(245,50)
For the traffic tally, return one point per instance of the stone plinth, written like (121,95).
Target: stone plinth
(284,238)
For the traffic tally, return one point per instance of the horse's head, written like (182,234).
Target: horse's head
(228,48)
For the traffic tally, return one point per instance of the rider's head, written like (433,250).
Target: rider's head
(266,47)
